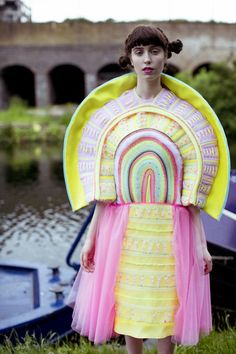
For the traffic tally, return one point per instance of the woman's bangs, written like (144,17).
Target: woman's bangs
(145,38)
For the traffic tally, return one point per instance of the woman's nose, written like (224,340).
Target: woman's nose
(147,58)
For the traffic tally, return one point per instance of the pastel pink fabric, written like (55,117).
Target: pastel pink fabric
(193,318)
(92,295)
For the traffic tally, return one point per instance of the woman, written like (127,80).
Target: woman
(150,151)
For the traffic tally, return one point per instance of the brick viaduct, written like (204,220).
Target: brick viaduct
(54,63)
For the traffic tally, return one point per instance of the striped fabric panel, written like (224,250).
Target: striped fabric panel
(145,290)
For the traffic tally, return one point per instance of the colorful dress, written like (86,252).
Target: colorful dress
(154,163)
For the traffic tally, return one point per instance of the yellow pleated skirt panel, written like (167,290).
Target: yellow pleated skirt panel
(145,292)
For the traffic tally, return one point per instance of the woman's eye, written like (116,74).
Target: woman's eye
(138,52)
(155,51)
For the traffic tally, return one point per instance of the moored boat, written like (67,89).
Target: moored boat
(32,299)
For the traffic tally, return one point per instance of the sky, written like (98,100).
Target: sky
(130,10)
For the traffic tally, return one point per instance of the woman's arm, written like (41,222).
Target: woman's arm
(201,243)
(88,249)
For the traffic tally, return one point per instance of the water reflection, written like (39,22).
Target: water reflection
(37,223)
(57,170)
(22,172)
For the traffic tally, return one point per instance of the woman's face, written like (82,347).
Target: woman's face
(148,61)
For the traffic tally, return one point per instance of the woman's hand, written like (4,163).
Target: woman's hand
(87,256)
(207,260)
(87,252)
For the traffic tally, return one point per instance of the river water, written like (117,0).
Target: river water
(37,224)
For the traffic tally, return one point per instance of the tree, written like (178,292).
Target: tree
(218,87)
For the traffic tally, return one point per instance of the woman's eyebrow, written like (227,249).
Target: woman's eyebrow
(155,46)
(150,45)
(138,47)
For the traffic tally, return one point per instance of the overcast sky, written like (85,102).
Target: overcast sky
(130,10)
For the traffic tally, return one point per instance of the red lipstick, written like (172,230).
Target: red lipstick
(148,70)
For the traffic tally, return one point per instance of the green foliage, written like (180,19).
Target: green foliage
(65,119)
(7,134)
(218,87)
(54,132)
(19,124)
(110,20)
(79,19)
(18,112)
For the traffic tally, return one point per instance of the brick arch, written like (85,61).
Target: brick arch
(171,69)
(108,72)
(18,80)
(67,83)
(204,60)
(206,66)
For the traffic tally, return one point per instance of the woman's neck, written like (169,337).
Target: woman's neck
(148,90)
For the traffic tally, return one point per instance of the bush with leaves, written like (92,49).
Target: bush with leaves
(218,87)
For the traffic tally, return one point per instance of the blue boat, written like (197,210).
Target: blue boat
(32,299)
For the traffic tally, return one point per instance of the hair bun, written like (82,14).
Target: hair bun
(176,46)
(124,62)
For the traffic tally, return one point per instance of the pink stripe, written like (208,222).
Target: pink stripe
(165,148)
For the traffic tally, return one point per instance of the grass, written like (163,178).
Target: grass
(218,342)
(18,112)
(19,124)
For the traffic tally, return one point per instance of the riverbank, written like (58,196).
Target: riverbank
(20,124)
(216,343)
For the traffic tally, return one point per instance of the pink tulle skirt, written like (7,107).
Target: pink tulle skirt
(92,296)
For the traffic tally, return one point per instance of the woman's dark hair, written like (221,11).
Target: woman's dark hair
(145,35)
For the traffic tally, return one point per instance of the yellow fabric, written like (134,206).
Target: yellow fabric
(145,292)
(113,89)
